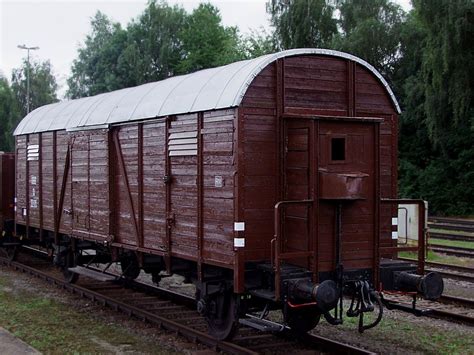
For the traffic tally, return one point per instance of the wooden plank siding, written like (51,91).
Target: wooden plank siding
(259,172)
(21,177)
(126,184)
(314,86)
(89,188)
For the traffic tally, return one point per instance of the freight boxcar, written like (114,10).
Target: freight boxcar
(270,183)
(7,194)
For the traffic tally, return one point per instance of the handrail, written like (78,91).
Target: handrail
(276,241)
(421,230)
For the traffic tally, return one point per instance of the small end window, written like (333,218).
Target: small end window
(338,149)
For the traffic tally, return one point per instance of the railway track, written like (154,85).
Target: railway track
(177,313)
(450,308)
(455,272)
(449,236)
(453,275)
(451,224)
(450,250)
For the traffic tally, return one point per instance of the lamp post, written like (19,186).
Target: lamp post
(28,49)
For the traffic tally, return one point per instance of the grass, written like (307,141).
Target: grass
(399,333)
(452,243)
(439,258)
(55,328)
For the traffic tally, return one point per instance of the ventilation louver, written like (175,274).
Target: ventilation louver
(181,144)
(32,152)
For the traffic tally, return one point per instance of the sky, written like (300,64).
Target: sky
(59,27)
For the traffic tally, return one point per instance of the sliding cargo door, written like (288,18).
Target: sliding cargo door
(183,169)
(139,186)
(90,185)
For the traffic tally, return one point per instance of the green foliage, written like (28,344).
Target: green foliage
(258,43)
(154,47)
(448,64)
(43,86)
(163,41)
(426,55)
(302,23)
(437,126)
(206,42)
(95,70)
(9,115)
(371,29)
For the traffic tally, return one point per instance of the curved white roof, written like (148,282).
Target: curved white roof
(208,89)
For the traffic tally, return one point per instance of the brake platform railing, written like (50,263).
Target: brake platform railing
(277,254)
(420,248)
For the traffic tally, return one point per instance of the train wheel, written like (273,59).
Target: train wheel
(222,317)
(302,320)
(70,260)
(130,267)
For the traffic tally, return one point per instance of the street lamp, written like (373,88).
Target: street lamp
(28,49)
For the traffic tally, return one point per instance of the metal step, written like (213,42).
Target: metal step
(261,324)
(96,275)
(287,271)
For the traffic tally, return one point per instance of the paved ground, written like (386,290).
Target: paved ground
(9,345)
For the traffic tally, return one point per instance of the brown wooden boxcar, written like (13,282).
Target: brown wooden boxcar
(244,178)
(7,188)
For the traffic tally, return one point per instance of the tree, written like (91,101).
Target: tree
(95,69)
(9,115)
(447,70)
(371,29)
(154,47)
(206,42)
(437,126)
(149,49)
(258,43)
(43,86)
(302,23)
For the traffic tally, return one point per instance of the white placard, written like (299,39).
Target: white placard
(218,181)
(239,226)
(394,221)
(239,242)
(33,180)
(394,235)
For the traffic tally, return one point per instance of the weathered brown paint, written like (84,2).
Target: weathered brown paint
(7,186)
(199,182)
(167,178)
(245,147)
(62,194)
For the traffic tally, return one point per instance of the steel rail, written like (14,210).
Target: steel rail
(452,227)
(445,235)
(451,220)
(466,302)
(443,266)
(329,345)
(180,329)
(453,275)
(456,317)
(438,313)
(455,251)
